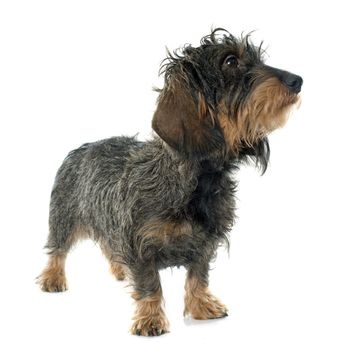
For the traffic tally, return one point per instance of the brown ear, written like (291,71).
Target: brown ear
(185,124)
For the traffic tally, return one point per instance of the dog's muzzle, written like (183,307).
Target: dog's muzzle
(292,81)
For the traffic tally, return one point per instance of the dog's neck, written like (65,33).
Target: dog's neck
(223,160)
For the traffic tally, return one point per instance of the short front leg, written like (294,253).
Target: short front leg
(199,302)
(149,318)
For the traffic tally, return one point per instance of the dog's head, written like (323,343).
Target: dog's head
(222,97)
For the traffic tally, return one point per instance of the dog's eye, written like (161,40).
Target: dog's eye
(231,61)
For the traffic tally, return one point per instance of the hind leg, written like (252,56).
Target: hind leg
(53,278)
(117,271)
(116,268)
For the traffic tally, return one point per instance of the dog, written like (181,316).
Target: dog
(170,201)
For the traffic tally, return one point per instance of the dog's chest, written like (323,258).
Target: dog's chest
(212,202)
(203,224)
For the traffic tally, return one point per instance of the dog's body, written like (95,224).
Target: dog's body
(170,201)
(141,202)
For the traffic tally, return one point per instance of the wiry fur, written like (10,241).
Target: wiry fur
(170,201)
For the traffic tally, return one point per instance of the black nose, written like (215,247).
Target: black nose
(293,82)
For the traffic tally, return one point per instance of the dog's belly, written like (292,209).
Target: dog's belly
(172,258)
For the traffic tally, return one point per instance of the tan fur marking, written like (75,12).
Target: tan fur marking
(204,111)
(162,232)
(166,230)
(266,109)
(53,277)
(200,303)
(230,130)
(149,318)
(117,271)
(202,107)
(79,234)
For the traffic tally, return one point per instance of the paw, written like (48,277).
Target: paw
(118,272)
(205,308)
(152,326)
(51,283)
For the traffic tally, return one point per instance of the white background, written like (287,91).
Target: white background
(78,71)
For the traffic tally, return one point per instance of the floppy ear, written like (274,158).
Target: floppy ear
(185,124)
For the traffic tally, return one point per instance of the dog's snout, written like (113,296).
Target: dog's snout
(293,82)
